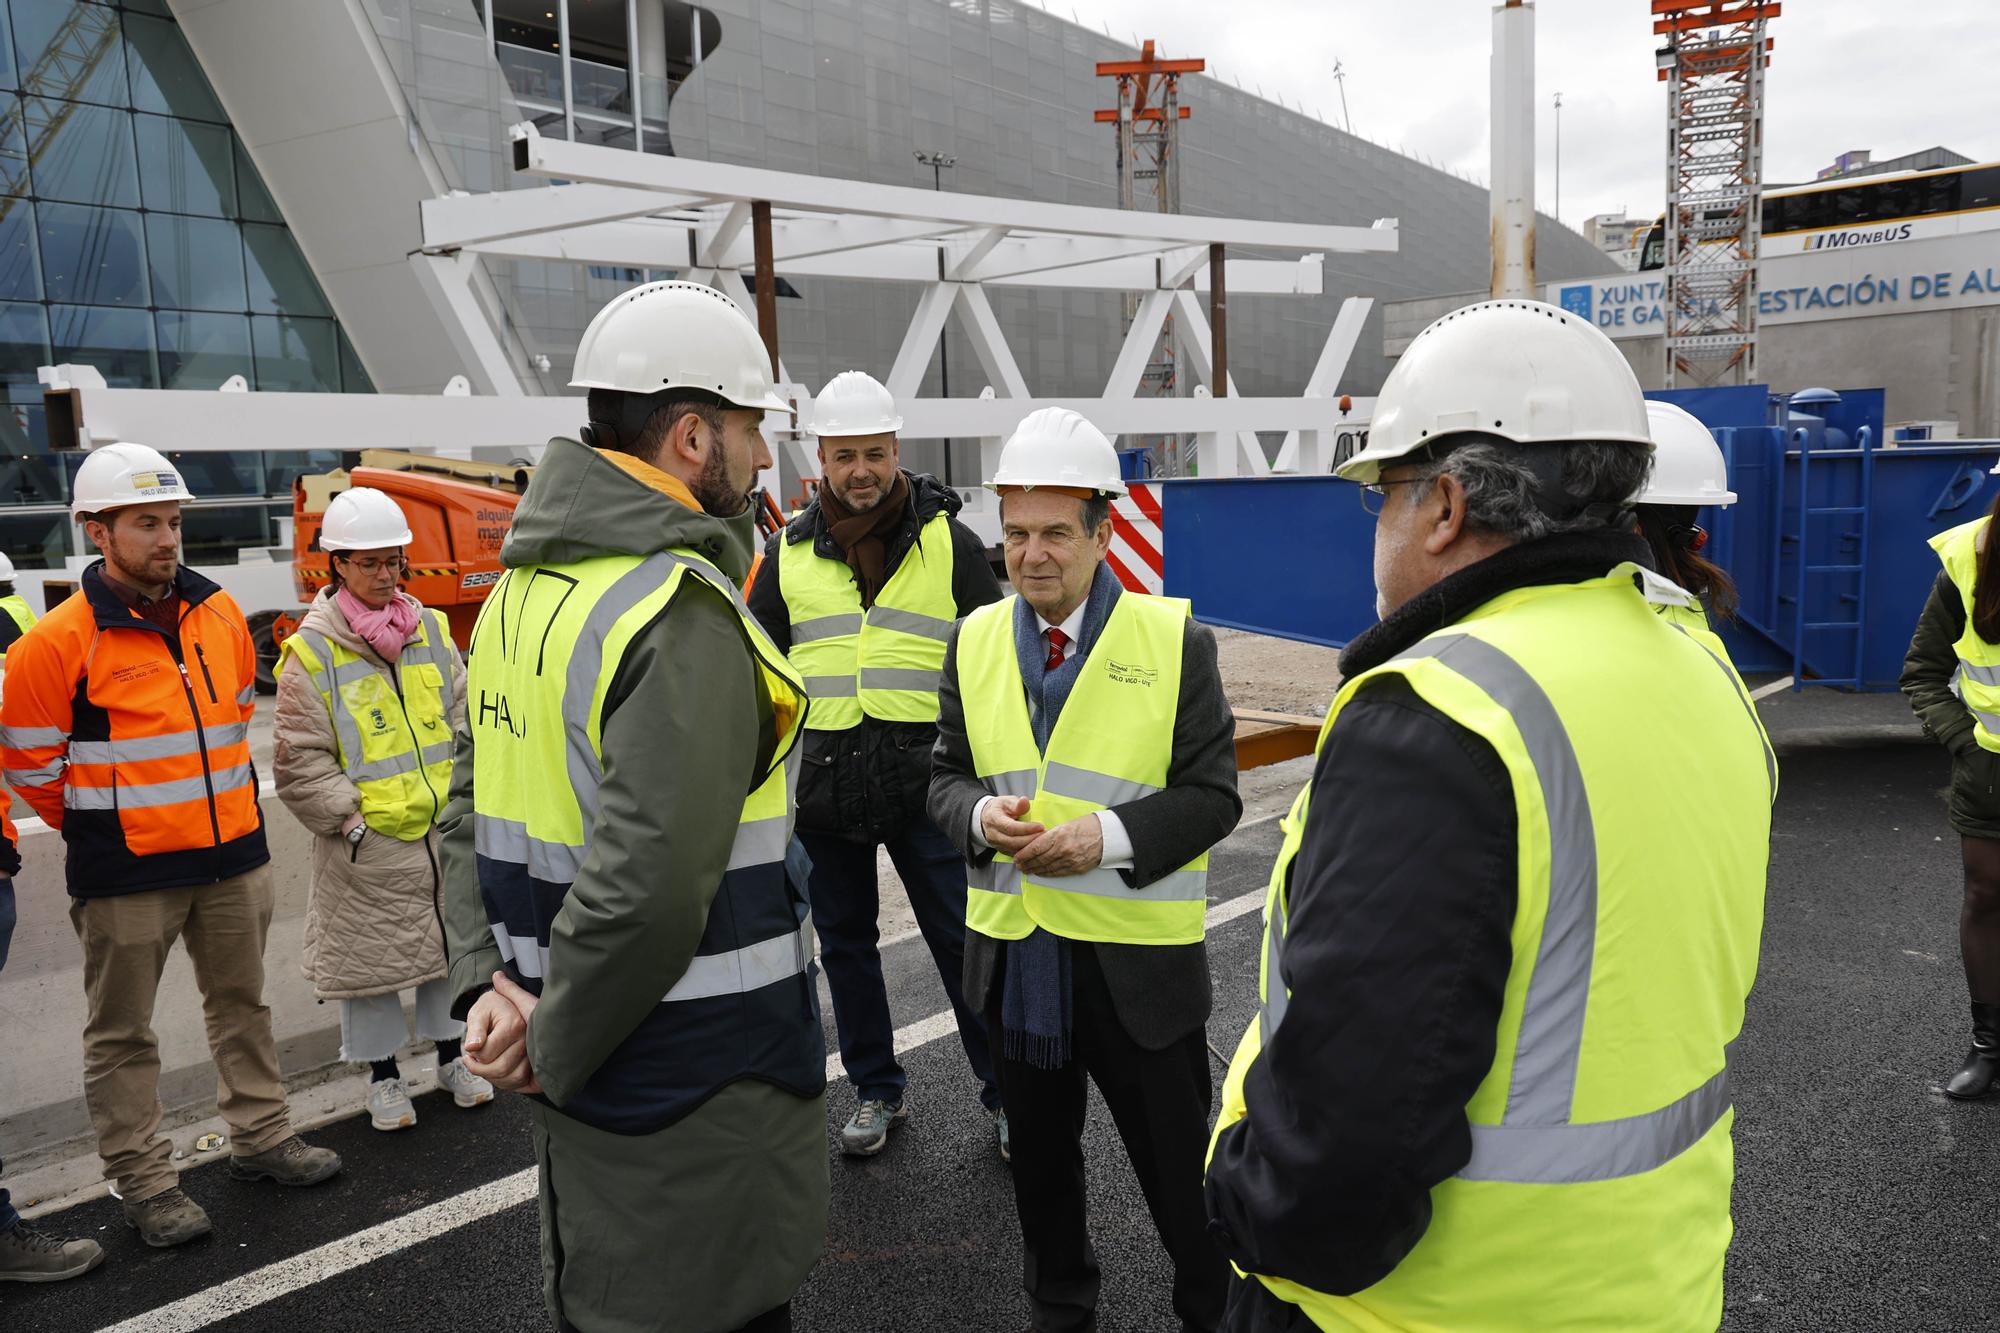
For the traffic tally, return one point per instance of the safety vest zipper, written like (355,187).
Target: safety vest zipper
(200,739)
(202,658)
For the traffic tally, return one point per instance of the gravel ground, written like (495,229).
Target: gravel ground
(1276,675)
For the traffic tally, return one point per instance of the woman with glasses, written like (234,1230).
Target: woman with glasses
(369,690)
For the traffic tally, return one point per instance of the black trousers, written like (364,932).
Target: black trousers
(1159,1101)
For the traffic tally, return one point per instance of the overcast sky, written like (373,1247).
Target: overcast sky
(1417,79)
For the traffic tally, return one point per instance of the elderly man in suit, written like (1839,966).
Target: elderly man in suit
(1085,765)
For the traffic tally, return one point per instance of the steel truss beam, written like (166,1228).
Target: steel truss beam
(955,246)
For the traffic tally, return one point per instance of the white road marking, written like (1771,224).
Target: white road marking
(334,1258)
(1764,690)
(287,1276)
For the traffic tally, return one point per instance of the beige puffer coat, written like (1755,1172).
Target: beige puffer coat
(372,916)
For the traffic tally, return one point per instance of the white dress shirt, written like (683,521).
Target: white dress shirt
(1117,854)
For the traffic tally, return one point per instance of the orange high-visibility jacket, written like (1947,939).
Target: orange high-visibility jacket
(135,743)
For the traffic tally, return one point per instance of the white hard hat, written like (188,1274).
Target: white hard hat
(1687,462)
(117,475)
(363,519)
(677,335)
(1522,370)
(1058,447)
(6,568)
(854,403)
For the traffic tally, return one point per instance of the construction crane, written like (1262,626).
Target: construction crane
(1713,65)
(1148,117)
(65,66)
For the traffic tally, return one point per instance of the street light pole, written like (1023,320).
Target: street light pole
(937,162)
(1559,155)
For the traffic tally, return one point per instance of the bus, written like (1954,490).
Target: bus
(1866,210)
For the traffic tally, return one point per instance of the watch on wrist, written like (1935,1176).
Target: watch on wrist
(354,835)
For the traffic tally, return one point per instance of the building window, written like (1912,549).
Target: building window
(197,263)
(137,237)
(201,351)
(185,167)
(94,256)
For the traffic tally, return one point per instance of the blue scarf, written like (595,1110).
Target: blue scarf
(1035,1003)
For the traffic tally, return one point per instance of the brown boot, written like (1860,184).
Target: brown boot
(28,1255)
(166,1219)
(293,1162)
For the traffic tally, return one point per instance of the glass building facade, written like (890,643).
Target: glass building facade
(136,237)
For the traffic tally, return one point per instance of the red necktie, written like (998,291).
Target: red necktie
(1057,642)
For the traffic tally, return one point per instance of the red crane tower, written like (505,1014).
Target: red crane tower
(1148,117)
(1713,65)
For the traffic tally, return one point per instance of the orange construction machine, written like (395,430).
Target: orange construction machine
(459,514)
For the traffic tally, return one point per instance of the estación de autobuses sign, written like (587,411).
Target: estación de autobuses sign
(1836,274)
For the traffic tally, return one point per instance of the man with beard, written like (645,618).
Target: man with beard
(626,944)
(862,590)
(127,727)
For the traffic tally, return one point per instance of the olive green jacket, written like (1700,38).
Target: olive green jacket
(685,725)
(1931,664)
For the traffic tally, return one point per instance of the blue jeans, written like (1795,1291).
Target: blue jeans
(846,905)
(8,1217)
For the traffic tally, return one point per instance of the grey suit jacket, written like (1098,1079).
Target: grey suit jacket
(1161,992)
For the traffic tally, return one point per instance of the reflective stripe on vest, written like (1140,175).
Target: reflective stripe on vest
(549,643)
(1113,744)
(1536,1143)
(1582,1024)
(392,728)
(144,795)
(1977,683)
(886,659)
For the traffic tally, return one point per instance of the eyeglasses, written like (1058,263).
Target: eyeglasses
(370,566)
(1375,494)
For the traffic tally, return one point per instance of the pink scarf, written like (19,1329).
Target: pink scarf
(386,630)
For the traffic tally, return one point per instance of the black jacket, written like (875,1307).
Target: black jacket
(1161,991)
(1402,902)
(1932,664)
(867,783)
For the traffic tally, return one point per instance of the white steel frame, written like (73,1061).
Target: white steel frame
(616,207)
(623,208)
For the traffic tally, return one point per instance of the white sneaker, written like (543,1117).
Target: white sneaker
(389,1105)
(467,1089)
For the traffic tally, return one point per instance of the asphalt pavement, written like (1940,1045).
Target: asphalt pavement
(1863,1196)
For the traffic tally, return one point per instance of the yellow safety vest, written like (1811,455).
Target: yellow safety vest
(1978,680)
(16,606)
(883,663)
(1597,1195)
(395,744)
(546,650)
(1113,744)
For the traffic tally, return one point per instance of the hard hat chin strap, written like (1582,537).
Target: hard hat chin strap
(621,427)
